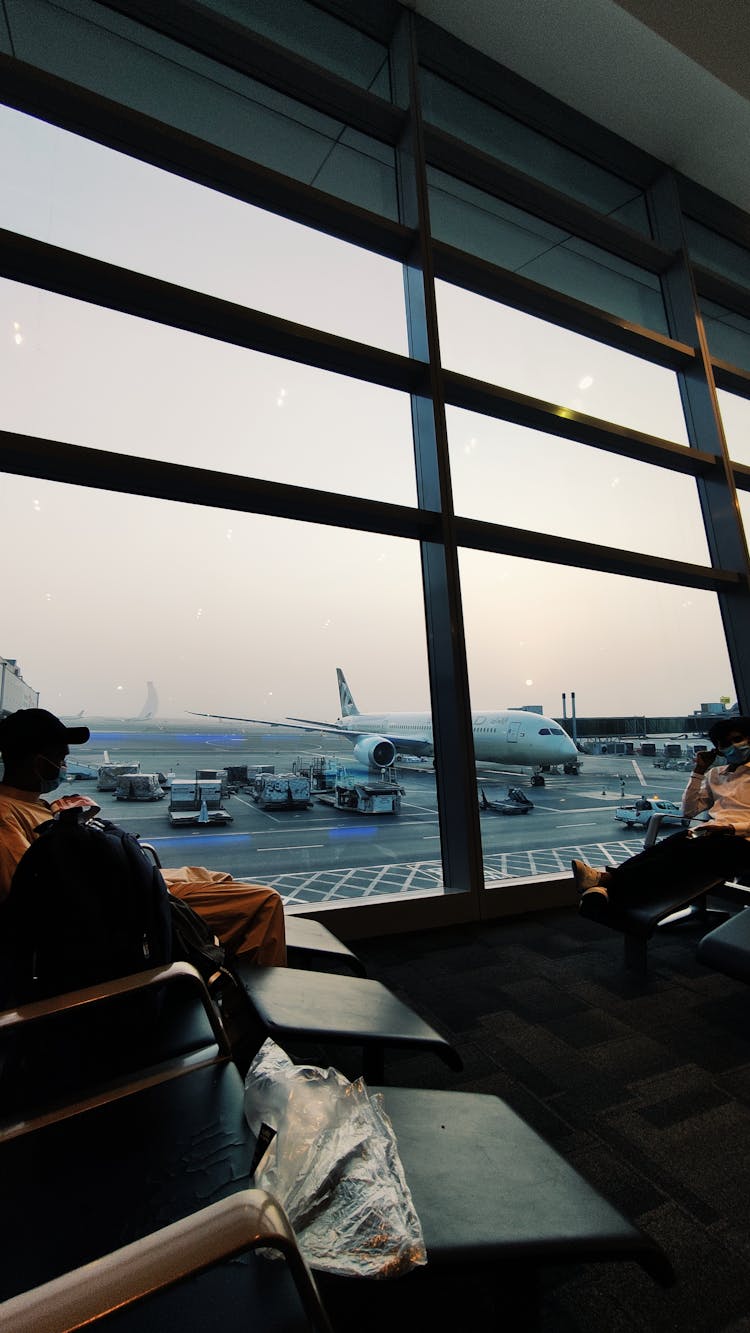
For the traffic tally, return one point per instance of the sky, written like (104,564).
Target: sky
(234,613)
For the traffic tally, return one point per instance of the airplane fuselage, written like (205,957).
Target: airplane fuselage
(509,736)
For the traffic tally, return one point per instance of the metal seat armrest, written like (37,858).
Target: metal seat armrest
(245,1221)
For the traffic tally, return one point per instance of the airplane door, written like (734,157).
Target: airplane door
(514,731)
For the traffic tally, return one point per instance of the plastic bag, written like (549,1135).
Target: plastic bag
(333,1165)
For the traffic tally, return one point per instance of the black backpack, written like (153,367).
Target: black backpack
(86,905)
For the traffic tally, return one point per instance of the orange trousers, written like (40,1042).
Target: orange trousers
(248,918)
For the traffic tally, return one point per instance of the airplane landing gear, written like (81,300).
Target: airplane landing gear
(537,780)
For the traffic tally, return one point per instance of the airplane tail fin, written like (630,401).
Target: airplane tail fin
(348,706)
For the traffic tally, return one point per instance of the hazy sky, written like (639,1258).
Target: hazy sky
(240,614)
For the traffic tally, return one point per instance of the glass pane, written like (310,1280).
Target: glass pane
(728,334)
(92,376)
(496,231)
(124,607)
(714,251)
(492,342)
(124,61)
(70,192)
(735,417)
(310,32)
(504,473)
(631,660)
(485,127)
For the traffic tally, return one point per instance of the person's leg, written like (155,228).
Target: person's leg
(248,918)
(693,862)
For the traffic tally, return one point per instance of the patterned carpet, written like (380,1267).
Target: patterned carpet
(643,1083)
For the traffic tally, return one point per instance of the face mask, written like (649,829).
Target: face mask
(737,754)
(54,779)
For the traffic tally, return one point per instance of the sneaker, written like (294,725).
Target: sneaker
(594,903)
(585,876)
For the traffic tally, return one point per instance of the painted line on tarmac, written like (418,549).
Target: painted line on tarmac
(296,847)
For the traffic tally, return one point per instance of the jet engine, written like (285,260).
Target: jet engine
(375,751)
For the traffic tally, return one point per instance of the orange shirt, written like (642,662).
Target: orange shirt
(21,813)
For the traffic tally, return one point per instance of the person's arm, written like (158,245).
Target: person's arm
(698,796)
(13,843)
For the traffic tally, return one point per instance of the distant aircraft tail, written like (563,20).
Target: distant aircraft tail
(348,706)
(151,704)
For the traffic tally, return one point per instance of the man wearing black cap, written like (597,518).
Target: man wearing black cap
(248,918)
(707,854)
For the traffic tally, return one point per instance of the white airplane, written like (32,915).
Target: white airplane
(509,736)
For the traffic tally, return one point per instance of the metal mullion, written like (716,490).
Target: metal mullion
(23,259)
(125,130)
(717,492)
(496,178)
(208,33)
(551,418)
(455,770)
(78,465)
(741,474)
(479,535)
(478,275)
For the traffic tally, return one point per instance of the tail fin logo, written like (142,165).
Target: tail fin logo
(348,706)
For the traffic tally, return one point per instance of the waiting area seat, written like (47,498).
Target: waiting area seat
(168,1279)
(493,1198)
(290,1005)
(310,944)
(727,947)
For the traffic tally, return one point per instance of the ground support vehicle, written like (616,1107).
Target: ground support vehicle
(639,813)
(281,791)
(514,802)
(364,798)
(197,802)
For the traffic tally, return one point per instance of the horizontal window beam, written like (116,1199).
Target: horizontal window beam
(508,405)
(481,536)
(202,29)
(500,284)
(732,378)
(107,122)
(75,465)
(54,269)
(714,212)
(501,181)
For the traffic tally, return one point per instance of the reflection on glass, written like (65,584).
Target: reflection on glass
(134,65)
(91,376)
(504,473)
(68,191)
(620,664)
(504,235)
(492,342)
(716,252)
(310,32)
(728,334)
(493,131)
(237,615)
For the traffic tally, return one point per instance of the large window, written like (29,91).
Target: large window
(507,496)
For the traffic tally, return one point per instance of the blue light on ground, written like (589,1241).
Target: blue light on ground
(358,832)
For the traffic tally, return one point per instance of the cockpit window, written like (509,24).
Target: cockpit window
(544,731)
(556,731)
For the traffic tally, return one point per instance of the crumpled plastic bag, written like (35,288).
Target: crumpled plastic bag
(334,1167)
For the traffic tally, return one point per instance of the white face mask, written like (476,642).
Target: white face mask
(54,777)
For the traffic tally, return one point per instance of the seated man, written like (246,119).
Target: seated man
(247,918)
(694,858)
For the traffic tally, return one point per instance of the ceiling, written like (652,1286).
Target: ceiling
(672,76)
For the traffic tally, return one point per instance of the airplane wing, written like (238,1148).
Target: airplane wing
(299,724)
(416,745)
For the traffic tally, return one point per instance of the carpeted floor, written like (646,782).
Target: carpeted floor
(643,1083)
